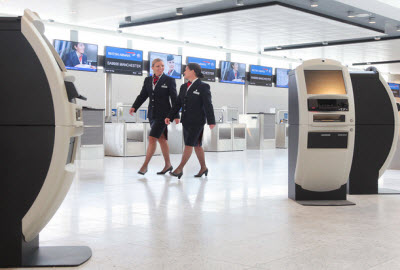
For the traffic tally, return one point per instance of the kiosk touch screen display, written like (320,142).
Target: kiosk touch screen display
(325,82)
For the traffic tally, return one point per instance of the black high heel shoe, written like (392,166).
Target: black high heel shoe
(167,170)
(142,173)
(201,174)
(179,175)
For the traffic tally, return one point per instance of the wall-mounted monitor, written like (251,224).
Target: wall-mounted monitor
(282,77)
(208,67)
(77,55)
(123,61)
(233,72)
(260,75)
(395,89)
(325,82)
(172,63)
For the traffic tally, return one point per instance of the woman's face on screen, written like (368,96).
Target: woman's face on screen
(158,68)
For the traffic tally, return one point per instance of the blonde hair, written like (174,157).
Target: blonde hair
(155,61)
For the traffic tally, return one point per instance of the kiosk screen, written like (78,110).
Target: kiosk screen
(325,82)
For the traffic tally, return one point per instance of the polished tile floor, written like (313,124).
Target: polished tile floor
(239,217)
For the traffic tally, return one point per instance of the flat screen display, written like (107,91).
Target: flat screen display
(282,77)
(233,72)
(208,67)
(325,82)
(260,75)
(172,63)
(395,89)
(123,61)
(77,55)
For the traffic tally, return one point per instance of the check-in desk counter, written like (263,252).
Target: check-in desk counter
(128,137)
(92,139)
(175,138)
(260,130)
(238,136)
(218,139)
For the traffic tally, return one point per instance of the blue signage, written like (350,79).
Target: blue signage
(123,61)
(261,70)
(204,63)
(394,86)
(124,54)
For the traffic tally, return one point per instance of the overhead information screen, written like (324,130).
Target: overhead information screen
(324,82)
(395,89)
(260,75)
(282,77)
(208,67)
(77,55)
(123,61)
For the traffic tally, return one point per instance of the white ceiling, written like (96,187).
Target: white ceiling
(252,30)
(249,30)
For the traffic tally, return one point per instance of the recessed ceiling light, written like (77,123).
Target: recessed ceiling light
(278,47)
(377,38)
(372,20)
(179,11)
(239,2)
(314,3)
(351,14)
(324,42)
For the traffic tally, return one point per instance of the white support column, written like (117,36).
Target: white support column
(108,96)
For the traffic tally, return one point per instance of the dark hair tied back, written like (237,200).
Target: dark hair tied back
(197,69)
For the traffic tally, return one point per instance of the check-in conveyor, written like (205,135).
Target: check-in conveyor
(38,143)
(321,130)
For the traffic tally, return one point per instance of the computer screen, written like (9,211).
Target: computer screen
(208,67)
(123,61)
(260,75)
(172,63)
(325,82)
(77,55)
(282,77)
(233,72)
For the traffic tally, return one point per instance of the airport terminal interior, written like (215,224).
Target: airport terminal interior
(303,158)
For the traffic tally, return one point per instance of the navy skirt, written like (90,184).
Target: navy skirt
(158,127)
(193,136)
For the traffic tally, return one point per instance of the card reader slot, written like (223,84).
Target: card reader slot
(329,118)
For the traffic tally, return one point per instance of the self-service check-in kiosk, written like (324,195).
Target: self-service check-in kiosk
(376,131)
(321,130)
(40,126)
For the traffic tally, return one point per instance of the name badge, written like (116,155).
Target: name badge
(197,93)
(164,86)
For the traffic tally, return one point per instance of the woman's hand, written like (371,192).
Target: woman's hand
(211,126)
(131,111)
(167,121)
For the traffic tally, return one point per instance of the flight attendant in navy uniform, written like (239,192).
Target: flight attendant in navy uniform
(195,100)
(161,90)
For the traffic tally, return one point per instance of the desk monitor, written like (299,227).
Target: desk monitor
(233,72)
(172,63)
(123,61)
(77,55)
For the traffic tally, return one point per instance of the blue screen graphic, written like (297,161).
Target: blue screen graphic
(261,70)
(394,86)
(203,62)
(124,54)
